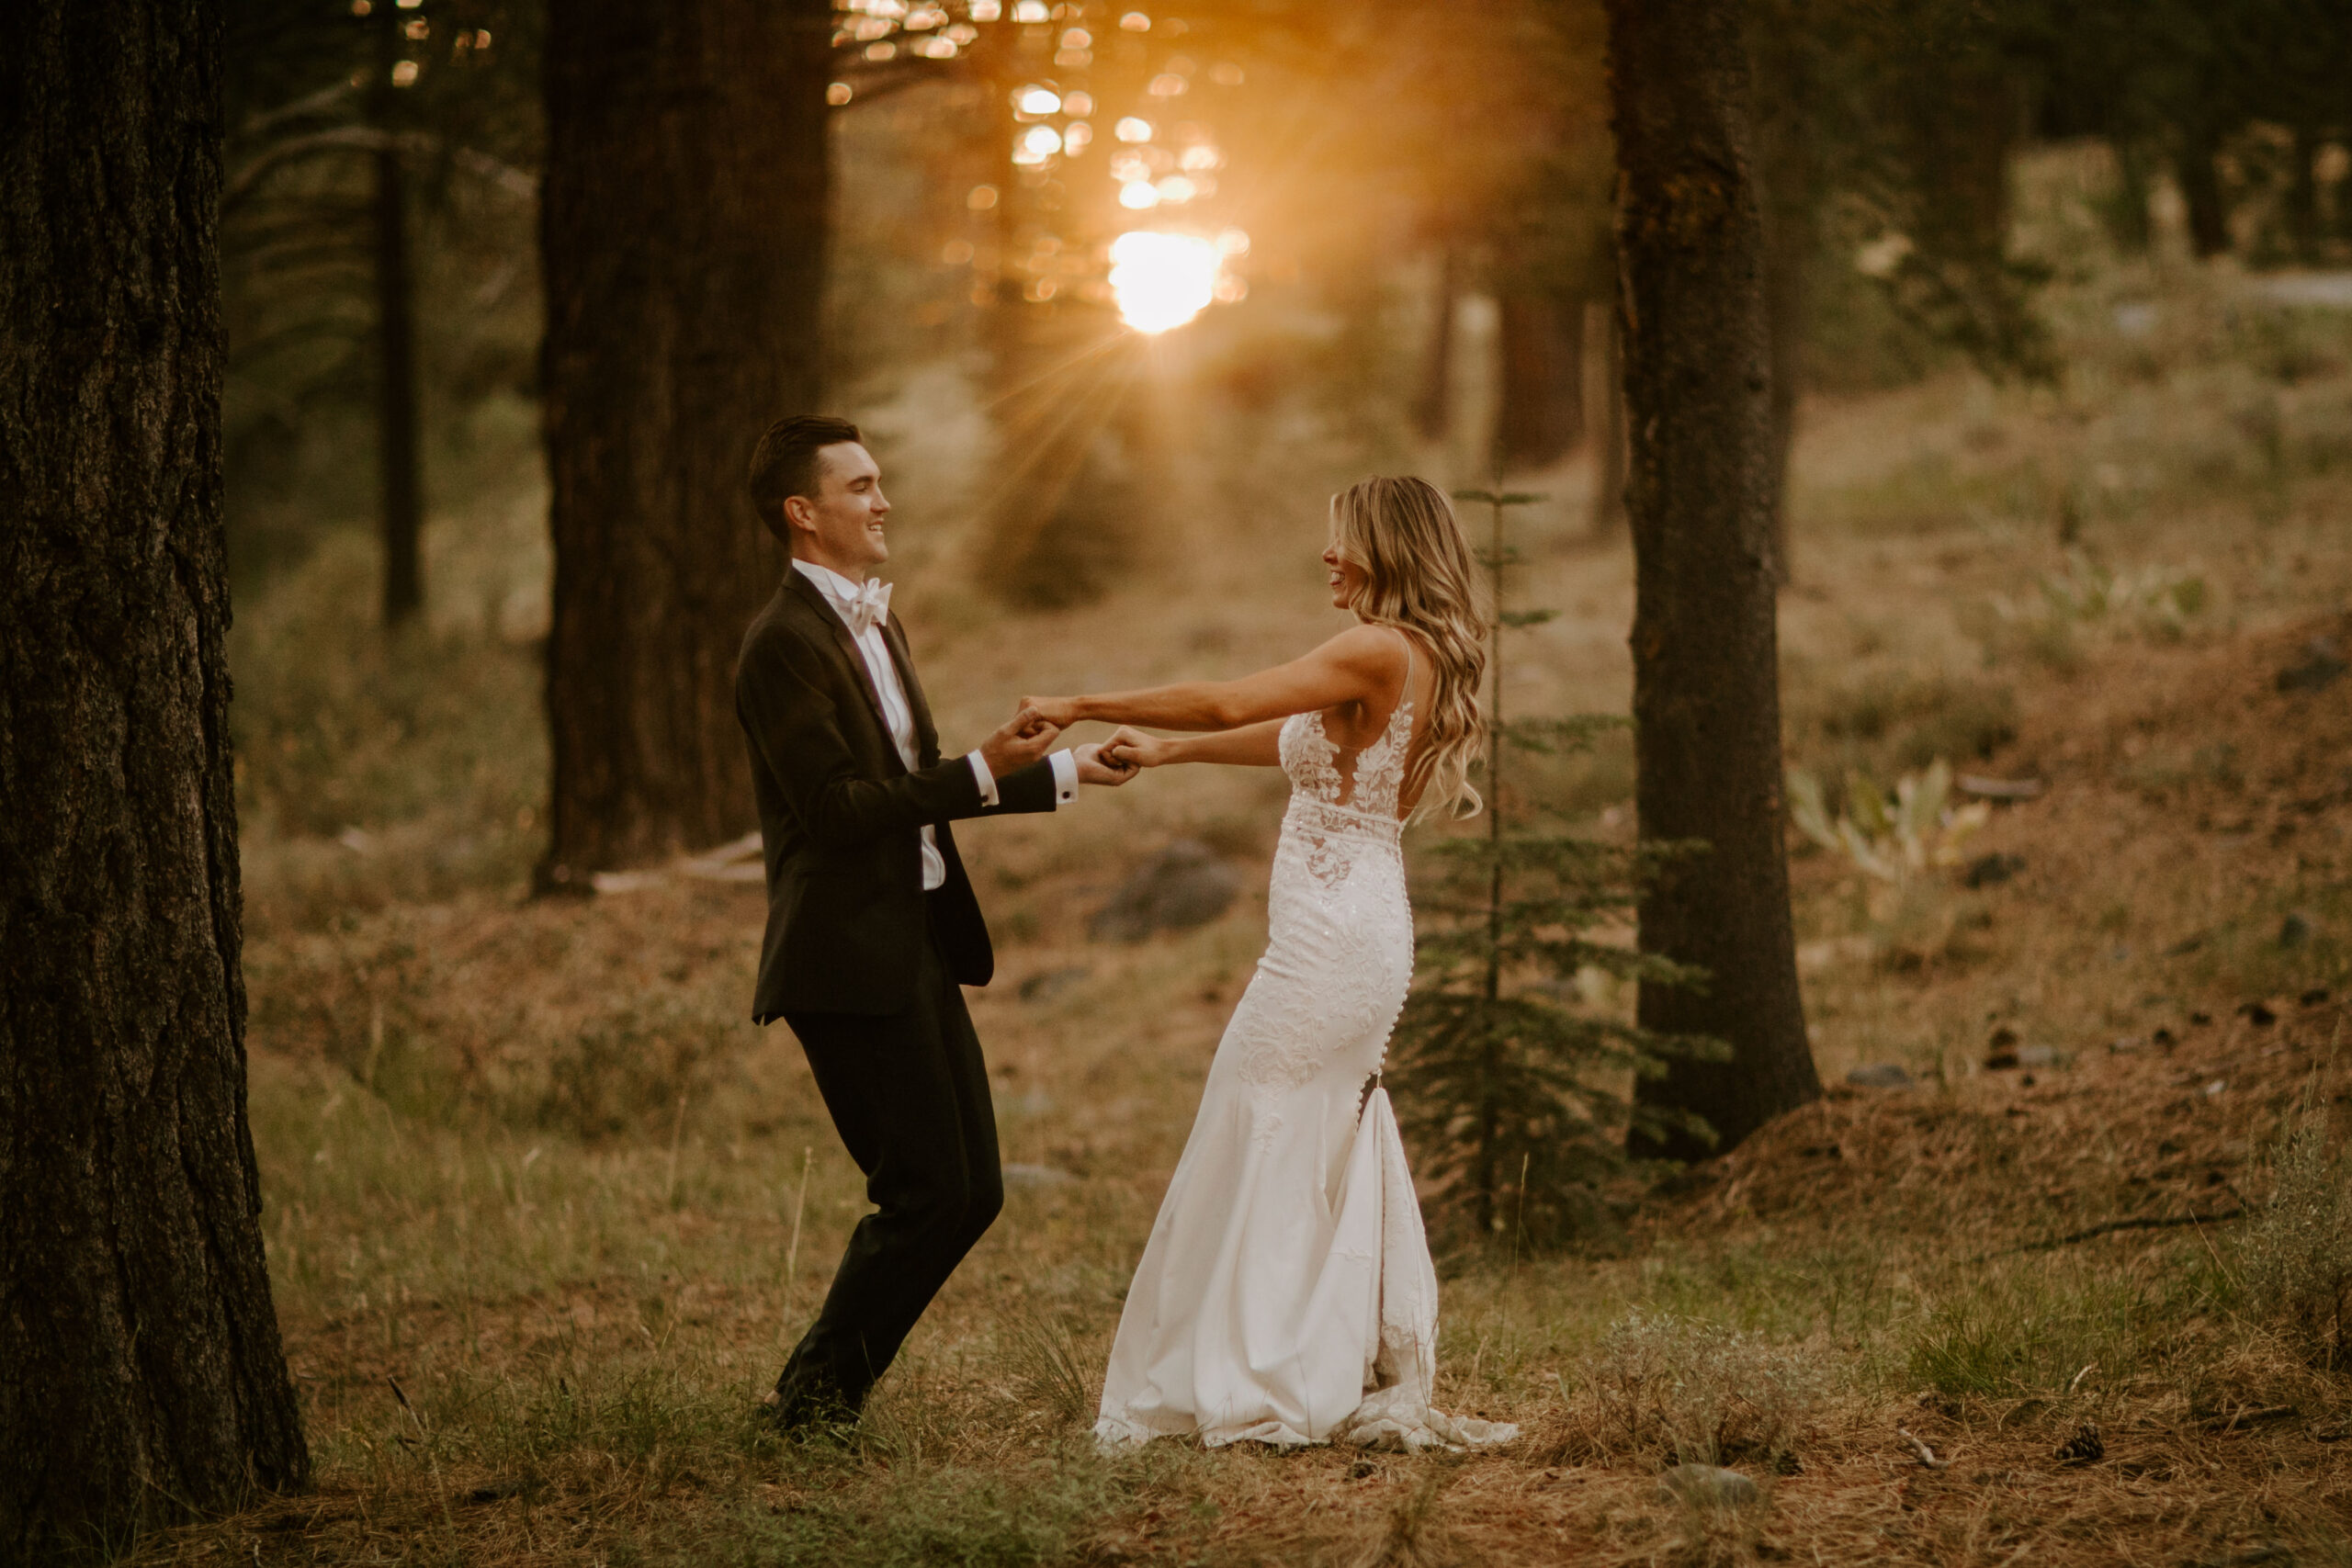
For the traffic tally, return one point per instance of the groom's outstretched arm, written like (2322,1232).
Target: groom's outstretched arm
(782,701)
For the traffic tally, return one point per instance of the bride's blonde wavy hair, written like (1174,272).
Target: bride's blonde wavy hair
(1403,535)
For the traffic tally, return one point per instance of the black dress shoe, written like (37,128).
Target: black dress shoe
(807,1412)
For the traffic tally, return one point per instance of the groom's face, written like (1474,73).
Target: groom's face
(841,525)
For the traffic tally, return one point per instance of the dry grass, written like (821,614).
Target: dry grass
(528,1165)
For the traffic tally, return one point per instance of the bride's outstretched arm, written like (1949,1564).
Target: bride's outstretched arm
(1251,745)
(1360,663)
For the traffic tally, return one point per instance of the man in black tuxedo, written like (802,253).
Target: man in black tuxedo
(871,925)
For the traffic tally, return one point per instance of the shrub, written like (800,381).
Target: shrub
(2298,1256)
(1889,839)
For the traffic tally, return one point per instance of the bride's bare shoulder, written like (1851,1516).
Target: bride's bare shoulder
(1372,649)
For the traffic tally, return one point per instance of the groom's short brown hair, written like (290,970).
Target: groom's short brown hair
(784,463)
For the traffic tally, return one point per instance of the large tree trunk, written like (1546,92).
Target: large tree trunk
(1789,193)
(401,464)
(140,1375)
(682,234)
(1706,696)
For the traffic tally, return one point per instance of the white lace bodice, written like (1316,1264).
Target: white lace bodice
(1339,953)
(1329,807)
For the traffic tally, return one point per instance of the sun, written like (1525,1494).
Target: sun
(1162,280)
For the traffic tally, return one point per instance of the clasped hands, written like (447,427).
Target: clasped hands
(1029,733)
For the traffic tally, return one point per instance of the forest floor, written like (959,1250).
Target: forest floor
(545,1212)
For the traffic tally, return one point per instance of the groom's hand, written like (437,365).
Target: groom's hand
(1022,739)
(1096,769)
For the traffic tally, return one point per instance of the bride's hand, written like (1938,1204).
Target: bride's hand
(1043,713)
(1134,748)
(1059,712)
(1095,768)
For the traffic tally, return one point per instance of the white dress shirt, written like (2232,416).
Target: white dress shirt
(900,715)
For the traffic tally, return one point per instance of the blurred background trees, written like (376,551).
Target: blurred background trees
(684,226)
(1372,236)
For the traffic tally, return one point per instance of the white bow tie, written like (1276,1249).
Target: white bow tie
(869,606)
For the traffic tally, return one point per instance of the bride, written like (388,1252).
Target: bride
(1287,1294)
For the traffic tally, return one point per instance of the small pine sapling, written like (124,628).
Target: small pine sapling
(1502,1061)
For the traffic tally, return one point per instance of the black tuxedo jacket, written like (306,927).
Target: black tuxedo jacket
(841,817)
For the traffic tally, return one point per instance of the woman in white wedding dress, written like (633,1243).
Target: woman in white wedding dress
(1286,1295)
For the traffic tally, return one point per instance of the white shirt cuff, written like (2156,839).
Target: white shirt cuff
(1065,776)
(981,776)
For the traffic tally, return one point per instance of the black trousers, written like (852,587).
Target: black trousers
(909,1094)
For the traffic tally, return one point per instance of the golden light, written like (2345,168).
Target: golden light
(1037,101)
(1176,189)
(986,10)
(1031,12)
(1139,196)
(1136,22)
(1161,280)
(1080,104)
(1133,129)
(1035,145)
(1076,137)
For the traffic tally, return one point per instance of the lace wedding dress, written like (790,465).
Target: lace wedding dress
(1287,1294)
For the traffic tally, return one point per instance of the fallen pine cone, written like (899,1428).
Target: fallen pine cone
(2086,1446)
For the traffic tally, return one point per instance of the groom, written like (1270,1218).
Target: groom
(871,925)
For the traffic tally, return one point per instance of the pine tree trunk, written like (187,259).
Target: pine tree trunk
(684,236)
(2302,195)
(140,1373)
(1605,418)
(1542,379)
(1789,185)
(2200,191)
(1706,699)
(399,461)
(1433,402)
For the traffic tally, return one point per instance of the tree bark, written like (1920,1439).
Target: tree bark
(2302,195)
(684,236)
(2200,191)
(1542,377)
(1706,697)
(140,1373)
(1434,402)
(1605,418)
(402,465)
(1789,193)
